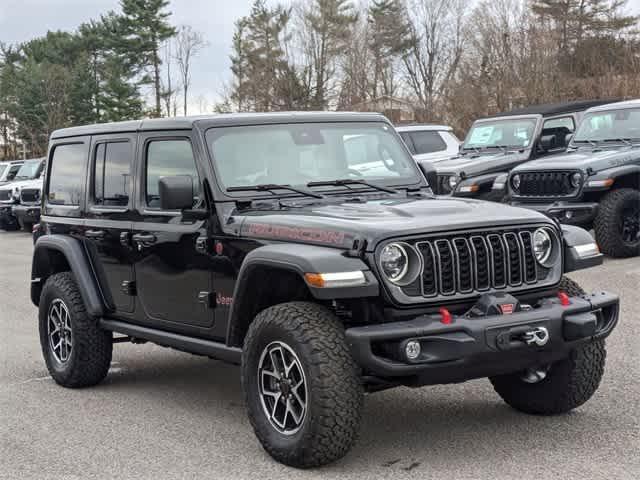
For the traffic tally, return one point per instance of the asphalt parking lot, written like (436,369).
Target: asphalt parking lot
(165,414)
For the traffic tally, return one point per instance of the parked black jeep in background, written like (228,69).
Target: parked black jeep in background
(496,144)
(596,184)
(252,239)
(29,177)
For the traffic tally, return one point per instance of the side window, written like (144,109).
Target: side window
(427,142)
(67,163)
(167,158)
(559,128)
(112,170)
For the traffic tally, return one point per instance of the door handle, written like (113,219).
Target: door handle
(144,238)
(95,234)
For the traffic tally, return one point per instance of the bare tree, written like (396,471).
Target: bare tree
(189,43)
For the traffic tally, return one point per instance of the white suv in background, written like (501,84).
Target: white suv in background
(430,142)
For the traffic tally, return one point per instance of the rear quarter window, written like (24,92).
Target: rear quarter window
(66,174)
(427,142)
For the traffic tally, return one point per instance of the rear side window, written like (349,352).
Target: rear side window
(427,142)
(112,170)
(65,179)
(167,158)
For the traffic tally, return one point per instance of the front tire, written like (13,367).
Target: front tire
(617,225)
(566,384)
(298,349)
(77,352)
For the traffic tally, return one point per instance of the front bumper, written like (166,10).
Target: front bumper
(27,213)
(481,346)
(582,213)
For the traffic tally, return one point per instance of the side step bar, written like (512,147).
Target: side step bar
(199,346)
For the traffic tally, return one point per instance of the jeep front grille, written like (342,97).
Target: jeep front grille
(546,184)
(468,264)
(30,195)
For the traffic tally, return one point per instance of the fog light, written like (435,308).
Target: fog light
(412,349)
(568,214)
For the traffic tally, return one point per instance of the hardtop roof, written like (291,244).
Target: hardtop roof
(635,103)
(550,109)
(419,127)
(219,120)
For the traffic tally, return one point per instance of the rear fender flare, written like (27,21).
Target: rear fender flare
(75,255)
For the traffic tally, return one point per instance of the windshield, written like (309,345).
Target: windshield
(297,154)
(2,169)
(29,170)
(610,125)
(501,133)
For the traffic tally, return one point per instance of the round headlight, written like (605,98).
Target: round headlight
(542,245)
(394,262)
(576,179)
(453,182)
(515,181)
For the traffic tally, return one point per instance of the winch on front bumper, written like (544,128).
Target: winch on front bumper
(445,348)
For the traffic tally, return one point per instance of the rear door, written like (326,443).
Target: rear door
(109,218)
(173,276)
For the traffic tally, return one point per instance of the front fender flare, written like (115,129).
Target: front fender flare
(574,259)
(74,253)
(302,259)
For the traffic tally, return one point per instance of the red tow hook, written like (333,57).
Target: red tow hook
(564,299)
(445,316)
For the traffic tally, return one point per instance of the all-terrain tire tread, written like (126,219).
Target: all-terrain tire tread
(605,225)
(92,346)
(338,393)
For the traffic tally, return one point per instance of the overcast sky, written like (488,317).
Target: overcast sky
(24,19)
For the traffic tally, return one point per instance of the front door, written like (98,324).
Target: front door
(173,277)
(108,218)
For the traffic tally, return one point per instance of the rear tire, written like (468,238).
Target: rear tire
(568,383)
(77,352)
(327,427)
(617,225)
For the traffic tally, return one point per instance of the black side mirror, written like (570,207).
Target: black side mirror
(430,173)
(176,193)
(567,139)
(547,142)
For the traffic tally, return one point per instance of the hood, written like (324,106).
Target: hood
(584,159)
(435,157)
(20,184)
(473,164)
(340,223)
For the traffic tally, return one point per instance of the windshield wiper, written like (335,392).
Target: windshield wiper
(345,182)
(622,140)
(590,142)
(269,187)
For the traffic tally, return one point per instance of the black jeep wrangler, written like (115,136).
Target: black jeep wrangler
(596,184)
(494,145)
(254,239)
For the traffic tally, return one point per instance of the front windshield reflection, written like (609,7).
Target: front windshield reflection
(509,133)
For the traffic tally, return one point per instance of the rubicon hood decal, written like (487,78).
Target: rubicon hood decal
(282,232)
